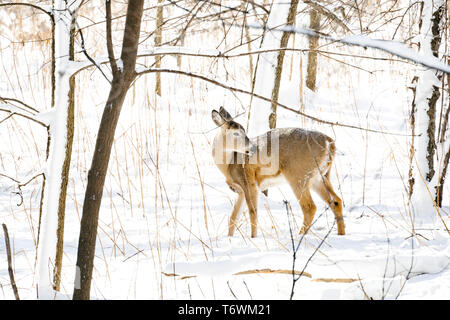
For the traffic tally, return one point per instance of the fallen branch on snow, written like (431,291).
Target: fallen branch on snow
(270,271)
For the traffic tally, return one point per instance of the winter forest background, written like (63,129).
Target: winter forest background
(106,134)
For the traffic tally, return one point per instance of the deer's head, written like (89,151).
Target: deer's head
(233,135)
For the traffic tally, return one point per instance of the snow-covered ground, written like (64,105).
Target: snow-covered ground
(166,206)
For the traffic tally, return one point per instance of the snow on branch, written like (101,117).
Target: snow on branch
(41,118)
(393,47)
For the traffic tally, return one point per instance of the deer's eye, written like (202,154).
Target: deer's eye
(236,134)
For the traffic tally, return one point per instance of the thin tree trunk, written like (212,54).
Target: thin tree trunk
(158,41)
(97,173)
(51,228)
(314,24)
(427,94)
(412,121)
(249,44)
(440,188)
(443,128)
(10,268)
(70,125)
(279,68)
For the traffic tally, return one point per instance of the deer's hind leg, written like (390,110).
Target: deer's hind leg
(309,210)
(301,191)
(325,190)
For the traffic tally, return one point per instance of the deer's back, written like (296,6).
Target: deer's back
(298,153)
(302,154)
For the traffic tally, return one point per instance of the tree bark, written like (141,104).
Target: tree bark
(97,173)
(314,24)
(443,129)
(70,125)
(10,267)
(279,68)
(412,121)
(59,146)
(426,181)
(158,41)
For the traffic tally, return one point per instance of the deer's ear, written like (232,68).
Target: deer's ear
(217,118)
(224,113)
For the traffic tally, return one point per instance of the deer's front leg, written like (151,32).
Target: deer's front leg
(251,197)
(237,209)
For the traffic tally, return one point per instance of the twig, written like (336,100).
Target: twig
(83,49)
(49,13)
(10,269)
(6,99)
(32,117)
(109,43)
(363,290)
(295,249)
(248,290)
(4,175)
(20,185)
(228,284)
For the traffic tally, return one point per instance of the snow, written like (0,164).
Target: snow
(265,73)
(54,167)
(166,205)
(398,49)
(423,196)
(394,47)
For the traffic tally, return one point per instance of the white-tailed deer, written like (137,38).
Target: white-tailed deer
(299,157)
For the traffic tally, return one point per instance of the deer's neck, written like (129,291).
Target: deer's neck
(222,157)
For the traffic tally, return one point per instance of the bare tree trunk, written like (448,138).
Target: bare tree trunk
(249,44)
(279,69)
(70,124)
(412,121)
(427,94)
(443,128)
(10,268)
(158,41)
(97,173)
(59,146)
(314,24)
(58,149)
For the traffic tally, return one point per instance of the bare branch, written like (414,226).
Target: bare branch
(109,44)
(13,111)
(10,268)
(47,12)
(193,75)
(83,49)
(396,48)
(20,102)
(20,184)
